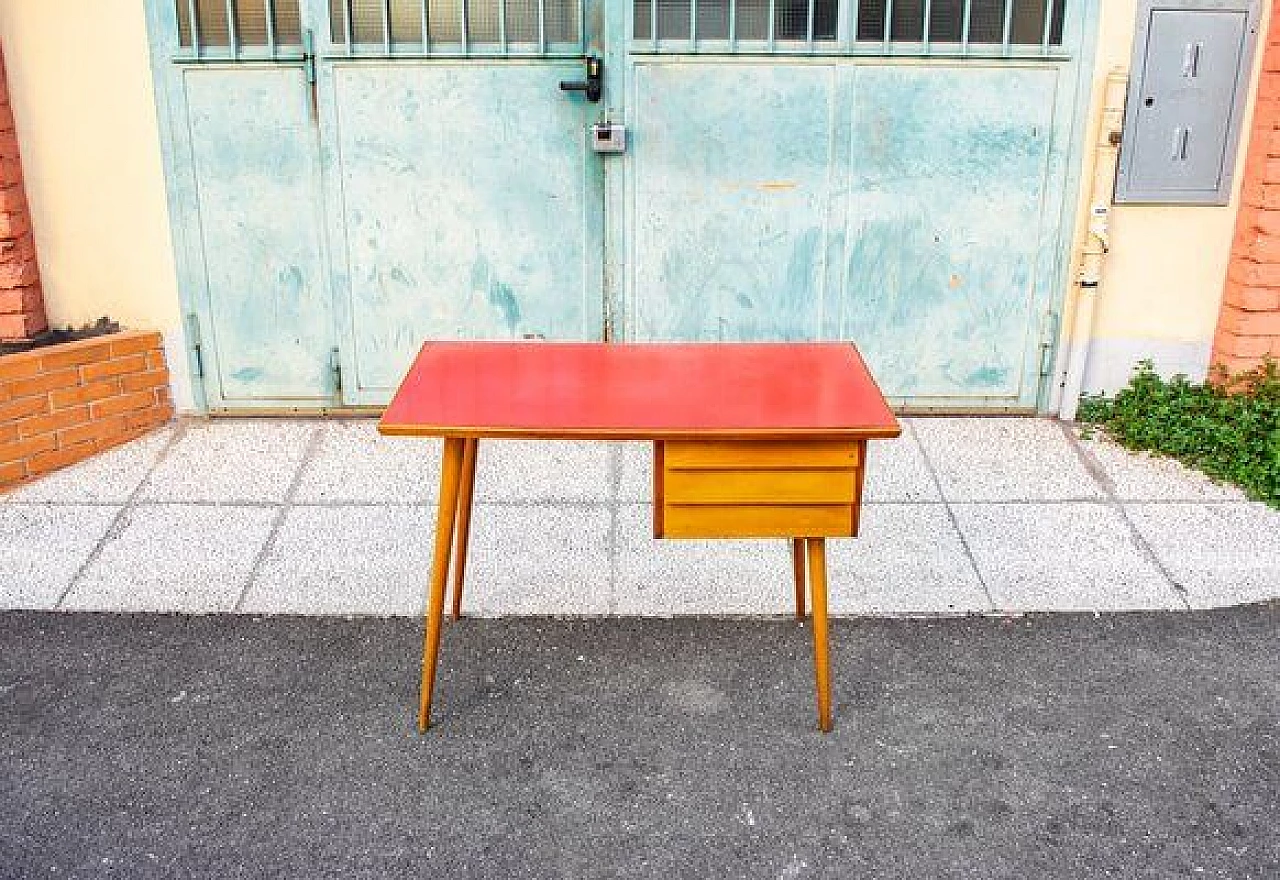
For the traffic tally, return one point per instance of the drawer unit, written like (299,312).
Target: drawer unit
(757,488)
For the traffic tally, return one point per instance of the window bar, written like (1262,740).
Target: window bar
(733,24)
(808,34)
(964,27)
(386,26)
(1006,45)
(463,35)
(852,33)
(195,27)
(502,25)
(1048,27)
(347,27)
(426,27)
(653,22)
(269,11)
(233,39)
(542,27)
(888,23)
(926,15)
(772,13)
(693,25)
(582,26)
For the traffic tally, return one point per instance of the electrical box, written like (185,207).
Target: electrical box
(1191,66)
(609,137)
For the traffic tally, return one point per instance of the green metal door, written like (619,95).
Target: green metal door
(352,177)
(887,173)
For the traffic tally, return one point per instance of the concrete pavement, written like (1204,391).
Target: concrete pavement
(965,515)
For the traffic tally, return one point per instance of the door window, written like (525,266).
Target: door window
(386,27)
(929,27)
(238,28)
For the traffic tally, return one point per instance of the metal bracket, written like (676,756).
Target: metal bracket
(1048,339)
(197,351)
(335,366)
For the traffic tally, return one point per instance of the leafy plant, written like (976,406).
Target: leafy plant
(1228,427)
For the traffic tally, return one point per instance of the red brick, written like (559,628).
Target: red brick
(131,343)
(19,366)
(20,326)
(20,300)
(134,363)
(60,458)
(92,432)
(1251,274)
(1239,346)
(145,381)
(26,448)
(1264,249)
(12,200)
(8,432)
(73,354)
(13,472)
(155,361)
(23,272)
(1252,299)
(44,383)
(22,408)
(85,393)
(1266,222)
(1260,324)
(1270,199)
(14,223)
(148,418)
(123,403)
(54,421)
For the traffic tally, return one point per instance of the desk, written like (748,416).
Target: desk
(750,441)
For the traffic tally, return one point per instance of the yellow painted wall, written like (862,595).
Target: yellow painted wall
(1163,278)
(80,83)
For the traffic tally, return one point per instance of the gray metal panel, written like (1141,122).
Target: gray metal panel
(1191,63)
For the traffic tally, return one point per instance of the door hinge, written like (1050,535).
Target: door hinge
(335,366)
(309,72)
(1048,341)
(197,346)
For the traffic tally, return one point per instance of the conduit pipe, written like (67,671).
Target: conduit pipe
(1093,255)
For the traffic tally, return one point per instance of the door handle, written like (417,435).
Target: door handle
(593,85)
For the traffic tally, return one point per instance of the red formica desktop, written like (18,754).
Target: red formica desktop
(750,441)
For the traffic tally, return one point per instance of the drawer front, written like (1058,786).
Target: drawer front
(780,454)
(740,486)
(757,520)
(757,488)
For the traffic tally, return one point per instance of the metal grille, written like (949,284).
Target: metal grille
(240,28)
(880,27)
(456,27)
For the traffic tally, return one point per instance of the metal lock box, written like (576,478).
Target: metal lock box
(1191,66)
(609,137)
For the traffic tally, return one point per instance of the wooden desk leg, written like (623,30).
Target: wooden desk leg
(464,522)
(446,510)
(821,659)
(797,563)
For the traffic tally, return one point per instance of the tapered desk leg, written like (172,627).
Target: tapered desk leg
(821,659)
(464,522)
(797,563)
(447,508)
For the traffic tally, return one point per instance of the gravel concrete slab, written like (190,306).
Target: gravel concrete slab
(543,470)
(174,557)
(908,559)
(897,470)
(538,559)
(676,576)
(346,560)
(356,464)
(1130,747)
(635,471)
(1061,557)
(231,460)
(43,546)
(1004,459)
(1221,554)
(109,477)
(1139,476)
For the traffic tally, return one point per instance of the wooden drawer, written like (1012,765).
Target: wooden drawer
(756,488)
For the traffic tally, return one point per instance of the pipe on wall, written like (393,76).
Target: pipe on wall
(1106,153)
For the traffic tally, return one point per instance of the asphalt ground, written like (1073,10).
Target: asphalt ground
(1136,745)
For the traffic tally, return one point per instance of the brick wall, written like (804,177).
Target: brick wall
(1249,324)
(63,403)
(21,301)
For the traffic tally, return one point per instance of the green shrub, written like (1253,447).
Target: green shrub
(1229,427)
